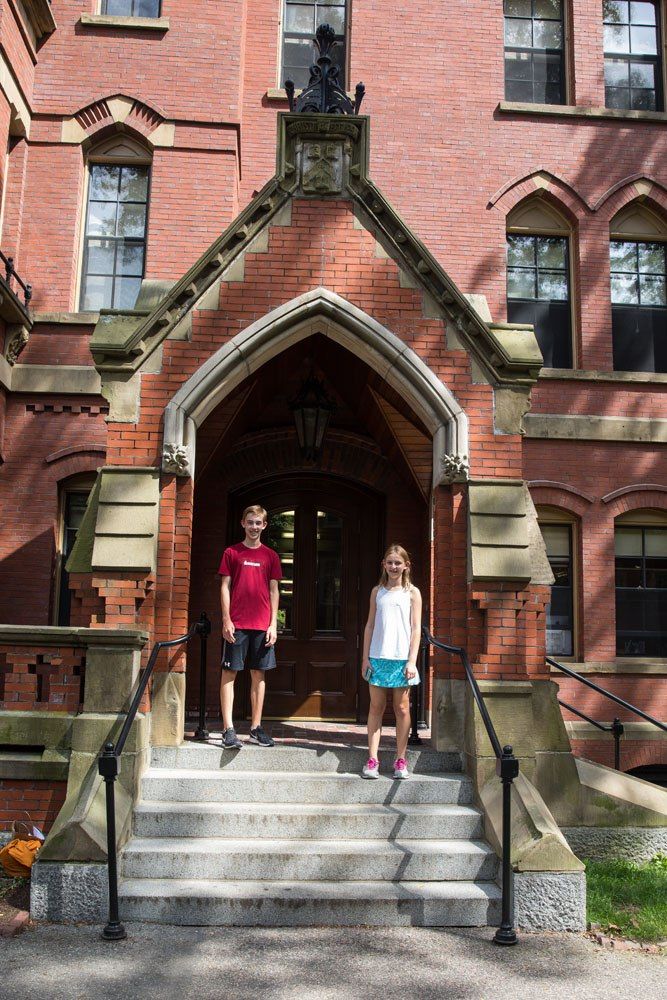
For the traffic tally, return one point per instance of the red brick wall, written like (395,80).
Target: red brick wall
(41,800)
(46,680)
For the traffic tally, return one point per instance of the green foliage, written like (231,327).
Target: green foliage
(629,899)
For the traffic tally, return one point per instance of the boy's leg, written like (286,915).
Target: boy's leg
(257,691)
(227,679)
(375,713)
(403,720)
(233,657)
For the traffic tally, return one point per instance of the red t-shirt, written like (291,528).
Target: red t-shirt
(250,571)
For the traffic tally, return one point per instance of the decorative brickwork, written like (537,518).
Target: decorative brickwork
(47,680)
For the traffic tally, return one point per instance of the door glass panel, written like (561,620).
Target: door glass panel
(281,538)
(329,572)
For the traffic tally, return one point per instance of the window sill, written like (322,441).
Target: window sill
(621,665)
(68,318)
(577,111)
(582,375)
(133,23)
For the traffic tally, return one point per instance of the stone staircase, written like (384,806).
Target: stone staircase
(293,836)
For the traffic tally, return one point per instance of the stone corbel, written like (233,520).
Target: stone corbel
(17,339)
(455,469)
(176,459)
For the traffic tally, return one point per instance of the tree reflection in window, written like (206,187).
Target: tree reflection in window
(280,536)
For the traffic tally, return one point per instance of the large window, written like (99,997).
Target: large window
(131,8)
(560,612)
(300,22)
(114,249)
(538,279)
(632,67)
(641,590)
(638,295)
(534,51)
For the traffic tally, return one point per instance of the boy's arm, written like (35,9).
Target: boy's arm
(368,634)
(415,632)
(227,623)
(274,596)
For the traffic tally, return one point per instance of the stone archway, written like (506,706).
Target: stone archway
(324,312)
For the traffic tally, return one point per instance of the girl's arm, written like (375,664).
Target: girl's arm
(368,633)
(415,632)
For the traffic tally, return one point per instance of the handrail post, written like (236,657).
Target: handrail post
(108,767)
(415,740)
(204,629)
(507,768)
(617,729)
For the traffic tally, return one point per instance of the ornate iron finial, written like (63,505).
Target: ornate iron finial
(324,94)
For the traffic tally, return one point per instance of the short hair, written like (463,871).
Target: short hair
(255,509)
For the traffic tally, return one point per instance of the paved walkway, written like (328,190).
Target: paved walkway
(72,963)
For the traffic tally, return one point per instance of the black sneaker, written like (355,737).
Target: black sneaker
(259,736)
(230,740)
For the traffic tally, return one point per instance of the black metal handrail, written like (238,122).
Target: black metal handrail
(11,272)
(507,769)
(616,728)
(108,763)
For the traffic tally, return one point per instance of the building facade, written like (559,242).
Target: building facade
(474,268)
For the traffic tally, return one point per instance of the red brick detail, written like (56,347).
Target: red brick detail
(513,631)
(42,679)
(38,802)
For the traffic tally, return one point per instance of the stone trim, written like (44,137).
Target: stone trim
(507,355)
(69,318)
(57,635)
(18,766)
(593,428)
(552,485)
(639,488)
(579,730)
(74,380)
(586,375)
(578,111)
(621,665)
(498,531)
(317,311)
(133,23)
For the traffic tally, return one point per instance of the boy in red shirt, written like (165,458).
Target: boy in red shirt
(249,595)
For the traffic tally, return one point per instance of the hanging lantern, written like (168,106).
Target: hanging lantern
(312,409)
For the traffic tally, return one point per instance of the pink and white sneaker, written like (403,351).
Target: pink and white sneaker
(371,768)
(401,768)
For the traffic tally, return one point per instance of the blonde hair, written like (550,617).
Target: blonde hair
(396,549)
(255,509)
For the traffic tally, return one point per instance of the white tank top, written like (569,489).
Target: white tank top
(392,631)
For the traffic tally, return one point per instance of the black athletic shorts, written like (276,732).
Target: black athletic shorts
(250,645)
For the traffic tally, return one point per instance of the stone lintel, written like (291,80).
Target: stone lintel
(593,428)
(56,636)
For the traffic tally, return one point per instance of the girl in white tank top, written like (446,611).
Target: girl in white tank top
(389,660)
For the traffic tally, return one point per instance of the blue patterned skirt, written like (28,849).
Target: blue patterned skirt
(388,673)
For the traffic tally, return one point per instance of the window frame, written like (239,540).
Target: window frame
(105,13)
(548,516)
(565,61)
(658,60)
(280,82)
(534,219)
(119,151)
(643,520)
(81,483)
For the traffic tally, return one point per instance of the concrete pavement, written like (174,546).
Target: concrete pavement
(50,962)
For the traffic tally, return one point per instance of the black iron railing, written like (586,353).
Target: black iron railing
(11,272)
(616,728)
(507,768)
(109,760)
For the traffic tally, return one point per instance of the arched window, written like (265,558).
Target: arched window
(638,294)
(114,243)
(301,19)
(640,538)
(558,532)
(534,51)
(538,278)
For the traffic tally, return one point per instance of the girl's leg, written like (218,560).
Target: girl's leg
(375,713)
(403,720)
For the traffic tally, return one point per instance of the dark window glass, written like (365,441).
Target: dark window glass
(560,613)
(329,572)
(632,70)
(131,8)
(641,591)
(73,510)
(534,51)
(115,240)
(538,292)
(300,22)
(280,536)
(639,305)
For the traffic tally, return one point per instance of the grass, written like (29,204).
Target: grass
(629,899)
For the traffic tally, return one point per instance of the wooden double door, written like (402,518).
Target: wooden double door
(327,534)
